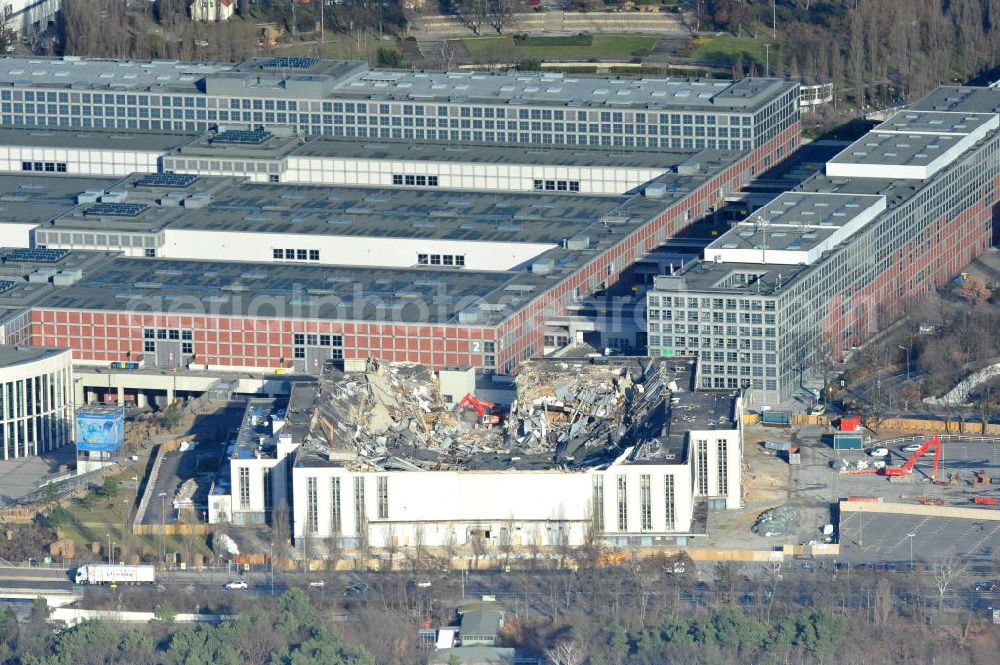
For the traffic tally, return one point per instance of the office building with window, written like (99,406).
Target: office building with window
(350,99)
(819,270)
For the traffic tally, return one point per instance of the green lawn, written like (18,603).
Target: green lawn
(560,47)
(728,48)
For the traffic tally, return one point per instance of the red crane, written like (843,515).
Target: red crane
(907,468)
(483,407)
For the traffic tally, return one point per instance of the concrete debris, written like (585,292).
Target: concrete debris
(775,522)
(565,413)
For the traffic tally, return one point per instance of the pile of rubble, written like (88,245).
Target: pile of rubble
(392,416)
(568,413)
(844,466)
(775,522)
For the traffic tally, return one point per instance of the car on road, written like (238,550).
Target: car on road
(881,451)
(911,448)
(319,584)
(237,585)
(986,586)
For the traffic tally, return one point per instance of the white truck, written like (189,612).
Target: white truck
(103,573)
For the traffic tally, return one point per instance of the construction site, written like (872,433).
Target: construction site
(394,455)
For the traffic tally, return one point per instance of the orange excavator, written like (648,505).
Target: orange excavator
(483,407)
(907,468)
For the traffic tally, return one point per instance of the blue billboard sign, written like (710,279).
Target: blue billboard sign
(102,430)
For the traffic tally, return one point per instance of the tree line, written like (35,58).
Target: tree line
(878,51)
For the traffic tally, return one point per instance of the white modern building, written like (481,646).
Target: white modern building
(36,399)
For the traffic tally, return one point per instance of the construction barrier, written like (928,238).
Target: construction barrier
(933,425)
(171,529)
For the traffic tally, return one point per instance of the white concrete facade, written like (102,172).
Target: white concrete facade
(78,161)
(344,250)
(437,509)
(36,400)
(466,175)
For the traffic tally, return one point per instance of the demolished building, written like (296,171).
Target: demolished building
(624,450)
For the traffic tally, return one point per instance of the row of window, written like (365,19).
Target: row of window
(464,111)
(441,260)
(149,346)
(312,125)
(417,180)
(730,383)
(557,185)
(310,339)
(50,167)
(711,303)
(296,254)
(167,333)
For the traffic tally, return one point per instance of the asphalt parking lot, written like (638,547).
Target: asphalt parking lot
(883,537)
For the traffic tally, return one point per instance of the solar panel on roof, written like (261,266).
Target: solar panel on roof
(242,136)
(166,180)
(116,209)
(282,62)
(6,284)
(36,255)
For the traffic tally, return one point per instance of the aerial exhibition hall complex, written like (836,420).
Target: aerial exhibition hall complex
(369,253)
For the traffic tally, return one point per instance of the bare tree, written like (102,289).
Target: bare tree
(280,530)
(480,544)
(501,14)
(566,653)
(474,13)
(945,570)
(883,602)
(506,542)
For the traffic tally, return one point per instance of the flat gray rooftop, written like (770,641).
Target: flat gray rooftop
(24,293)
(552,155)
(284,290)
(965,99)
(749,278)
(896,149)
(914,121)
(33,198)
(94,139)
(19,355)
(237,206)
(99,73)
(306,77)
(555,89)
(808,209)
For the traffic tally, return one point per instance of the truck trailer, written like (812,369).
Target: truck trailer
(103,573)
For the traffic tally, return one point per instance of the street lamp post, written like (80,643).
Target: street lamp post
(109,548)
(907,349)
(910,536)
(270,560)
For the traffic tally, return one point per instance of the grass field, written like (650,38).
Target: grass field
(728,49)
(578,46)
